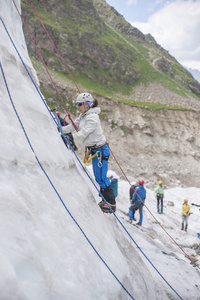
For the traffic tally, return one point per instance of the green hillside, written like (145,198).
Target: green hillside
(103,52)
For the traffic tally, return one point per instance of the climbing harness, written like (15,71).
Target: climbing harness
(88,152)
(87,158)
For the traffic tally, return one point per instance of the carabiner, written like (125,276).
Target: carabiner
(99,156)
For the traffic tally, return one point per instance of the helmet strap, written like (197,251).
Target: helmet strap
(86,107)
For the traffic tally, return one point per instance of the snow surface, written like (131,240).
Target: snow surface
(55,243)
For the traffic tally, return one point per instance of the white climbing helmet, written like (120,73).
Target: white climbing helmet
(85,98)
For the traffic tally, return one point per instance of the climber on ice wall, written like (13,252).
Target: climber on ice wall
(91,134)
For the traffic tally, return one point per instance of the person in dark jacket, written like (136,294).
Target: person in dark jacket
(132,189)
(134,185)
(114,183)
(138,199)
(69,136)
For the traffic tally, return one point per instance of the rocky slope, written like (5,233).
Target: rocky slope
(154,145)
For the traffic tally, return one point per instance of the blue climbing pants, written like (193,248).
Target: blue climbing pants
(100,165)
(135,206)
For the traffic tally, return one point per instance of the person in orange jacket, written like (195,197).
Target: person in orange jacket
(185,214)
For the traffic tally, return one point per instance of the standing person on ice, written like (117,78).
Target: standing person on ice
(159,195)
(132,190)
(114,183)
(185,214)
(91,134)
(138,199)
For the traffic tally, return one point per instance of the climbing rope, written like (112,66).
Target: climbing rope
(90,177)
(69,116)
(109,147)
(54,188)
(49,82)
(85,158)
(51,183)
(154,216)
(37,89)
(54,45)
(122,224)
(114,156)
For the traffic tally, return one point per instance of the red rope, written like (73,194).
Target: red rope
(69,116)
(54,45)
(153,215)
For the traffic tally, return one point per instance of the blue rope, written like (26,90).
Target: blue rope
(36,57)
(26,67)
(51,183)
(93,181)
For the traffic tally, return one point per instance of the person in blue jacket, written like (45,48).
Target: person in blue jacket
(138,199)
(114,183)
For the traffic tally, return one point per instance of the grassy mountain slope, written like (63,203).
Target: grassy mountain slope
(104,53)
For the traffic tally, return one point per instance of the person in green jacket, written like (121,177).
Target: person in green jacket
(185,214)
(159,196)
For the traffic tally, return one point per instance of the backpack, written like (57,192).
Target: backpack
(131,191)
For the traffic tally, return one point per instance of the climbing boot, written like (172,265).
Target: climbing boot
(107,209)
(108,194)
